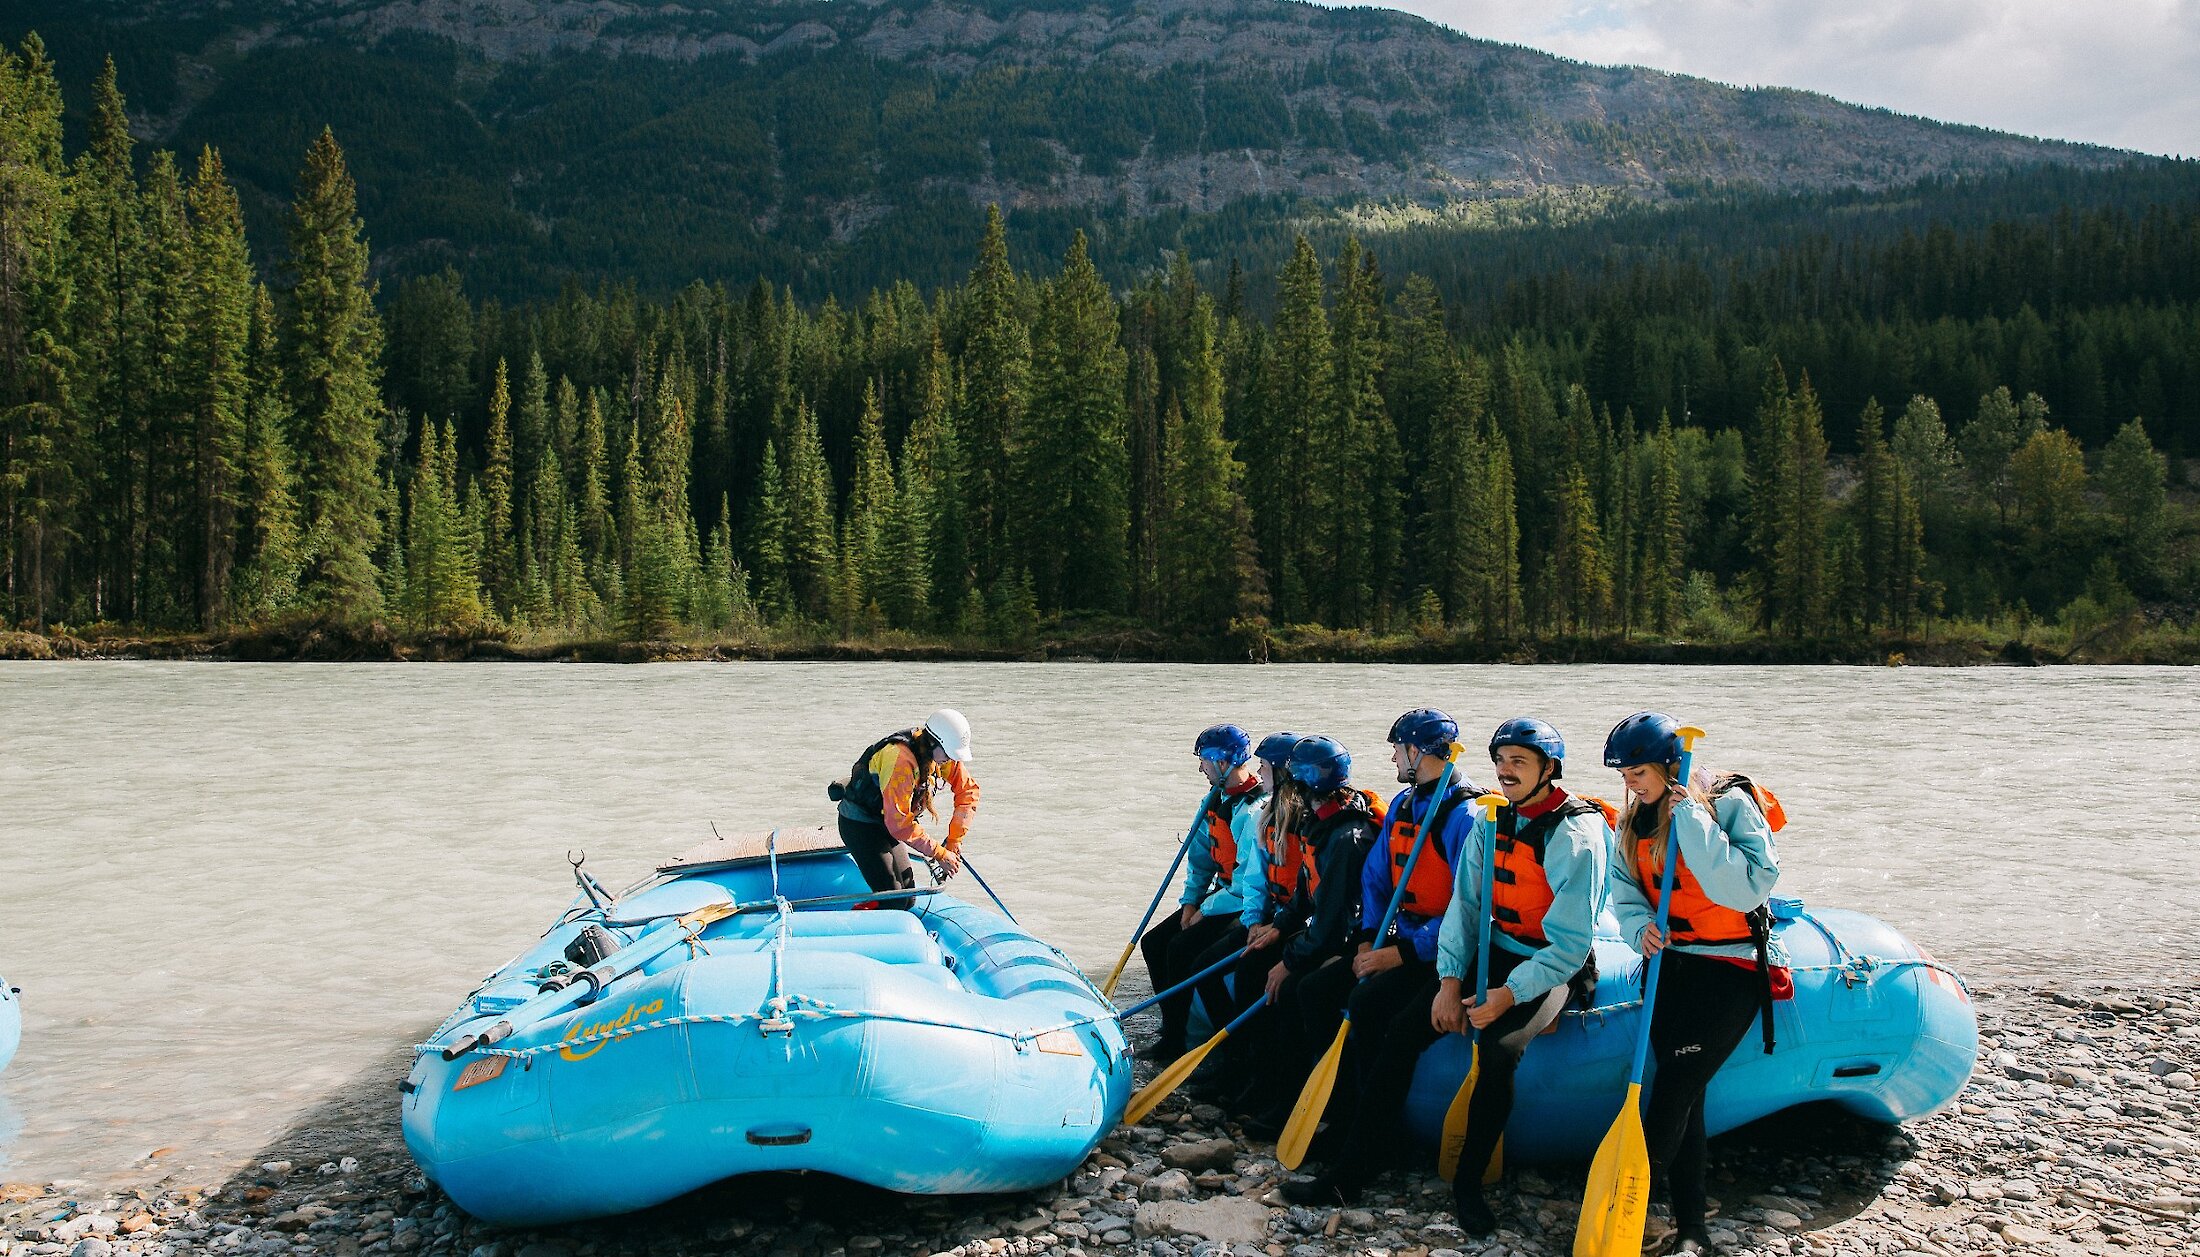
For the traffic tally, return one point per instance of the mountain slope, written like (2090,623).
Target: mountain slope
(529,140)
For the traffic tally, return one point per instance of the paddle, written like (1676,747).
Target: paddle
(1153,1093)
(1455,1117)
(1185,985)
(588,982)
(1115,975)
(1617,1199)
(1298,1131)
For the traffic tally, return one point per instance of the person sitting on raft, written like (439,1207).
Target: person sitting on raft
(891,786)
(1341,826)
(1217,869)
(1721,965)
(1271,882)
(1392,980)
(1549,850)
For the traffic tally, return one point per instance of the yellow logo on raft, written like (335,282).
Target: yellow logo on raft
(583,1029)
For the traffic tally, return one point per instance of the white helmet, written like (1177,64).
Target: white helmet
(953,732)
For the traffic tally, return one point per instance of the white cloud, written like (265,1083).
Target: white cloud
(2117,72)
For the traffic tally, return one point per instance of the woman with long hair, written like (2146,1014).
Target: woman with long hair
(1721,964)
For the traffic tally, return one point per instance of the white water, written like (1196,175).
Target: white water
(227,889)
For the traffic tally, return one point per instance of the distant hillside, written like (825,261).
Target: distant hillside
(530,141)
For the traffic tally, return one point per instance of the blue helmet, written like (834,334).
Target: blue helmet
(1320,764)
(1647,737)
(1534,734)
(1276,748)
(1226,744)
(1425,729)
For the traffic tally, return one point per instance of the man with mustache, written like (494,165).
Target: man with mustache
(1549,850)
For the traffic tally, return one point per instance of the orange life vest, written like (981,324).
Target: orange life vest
(1222,839)
(1520,892)
(1694,917)
(1768,803)
(1284,849)
(1428,890)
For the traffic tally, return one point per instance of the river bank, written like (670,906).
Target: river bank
(1949,646)
(2079,1133)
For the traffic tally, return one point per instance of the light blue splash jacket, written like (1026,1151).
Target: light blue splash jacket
(1728,849)
(1574,862)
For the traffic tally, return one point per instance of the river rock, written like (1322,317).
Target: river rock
(1167,1185)
(1204,1154)
(1226,1219)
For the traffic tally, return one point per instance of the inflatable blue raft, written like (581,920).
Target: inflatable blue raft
(11,1023)
(1876,1026)
(736,1013)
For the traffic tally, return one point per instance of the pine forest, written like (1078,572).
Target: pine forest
(1591,436)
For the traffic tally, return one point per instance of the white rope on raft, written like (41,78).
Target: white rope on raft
(796,1008)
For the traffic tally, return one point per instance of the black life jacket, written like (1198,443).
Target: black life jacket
(868,795)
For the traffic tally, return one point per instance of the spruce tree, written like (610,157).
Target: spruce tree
(218,332)
(334,346)
(1356,449)
(592,495)
(1873,512)
(166,524)
(766,540)
(1800,548)
(499,551)
(1211,574)
(442,586)
(1289,487)
(1074,466)
(1581,583)
(1495,526)
(2134,478)
(1772,487)
(997,373)
(1665,538)
(41,445)
(813,559)
(269,552)
(932,464)
(871,504)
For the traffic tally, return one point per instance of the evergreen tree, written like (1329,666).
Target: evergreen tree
(40,442)
(1289,487)
(166,523)
(1800,552)
(218,330)
(269,553)
(1211,573)
(997,364)
(1581,584)
(1494,557)
(1073,467)
(107,334)
(592,499)
(871,503)
(442,586)
(813,560)
(933,479)
(767,539)
(1772,488)
(499,551)
(2133,479)
(1665,538)
(1874,520)
(334,347)
(1991,440)
(1357,448)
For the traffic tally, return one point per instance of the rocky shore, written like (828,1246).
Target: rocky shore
(2079,1133)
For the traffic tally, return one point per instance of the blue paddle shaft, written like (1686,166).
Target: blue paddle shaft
(1247,1015)
(1420,840)
(1181,849)
(1196,978)
(1665,904)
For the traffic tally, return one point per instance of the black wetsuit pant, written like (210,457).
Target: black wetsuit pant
(1308,1006)
(1498,1050)
(883,862)
(1390,1030)
(1705,1007)
(1224,1001)
(1174,953)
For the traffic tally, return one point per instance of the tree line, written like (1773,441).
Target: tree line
(187,444)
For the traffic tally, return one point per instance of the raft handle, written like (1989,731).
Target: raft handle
(1865,1070)
(779,1136)
(407,1086)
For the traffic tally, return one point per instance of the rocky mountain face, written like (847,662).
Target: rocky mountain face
(805,125)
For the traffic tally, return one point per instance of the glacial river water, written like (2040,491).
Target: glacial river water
(227,889)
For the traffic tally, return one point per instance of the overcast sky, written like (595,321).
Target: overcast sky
(2118,72)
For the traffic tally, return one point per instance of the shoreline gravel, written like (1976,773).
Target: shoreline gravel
(2079,1133)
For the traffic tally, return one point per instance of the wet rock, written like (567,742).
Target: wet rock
(91,1246)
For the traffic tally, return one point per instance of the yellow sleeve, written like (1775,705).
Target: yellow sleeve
(897,776)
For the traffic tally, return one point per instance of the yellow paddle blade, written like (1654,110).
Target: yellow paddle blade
(1150,1096)
(1495,1170)
(1313,1101)
(1115,975)
(1455,1118)
(1617,1200)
